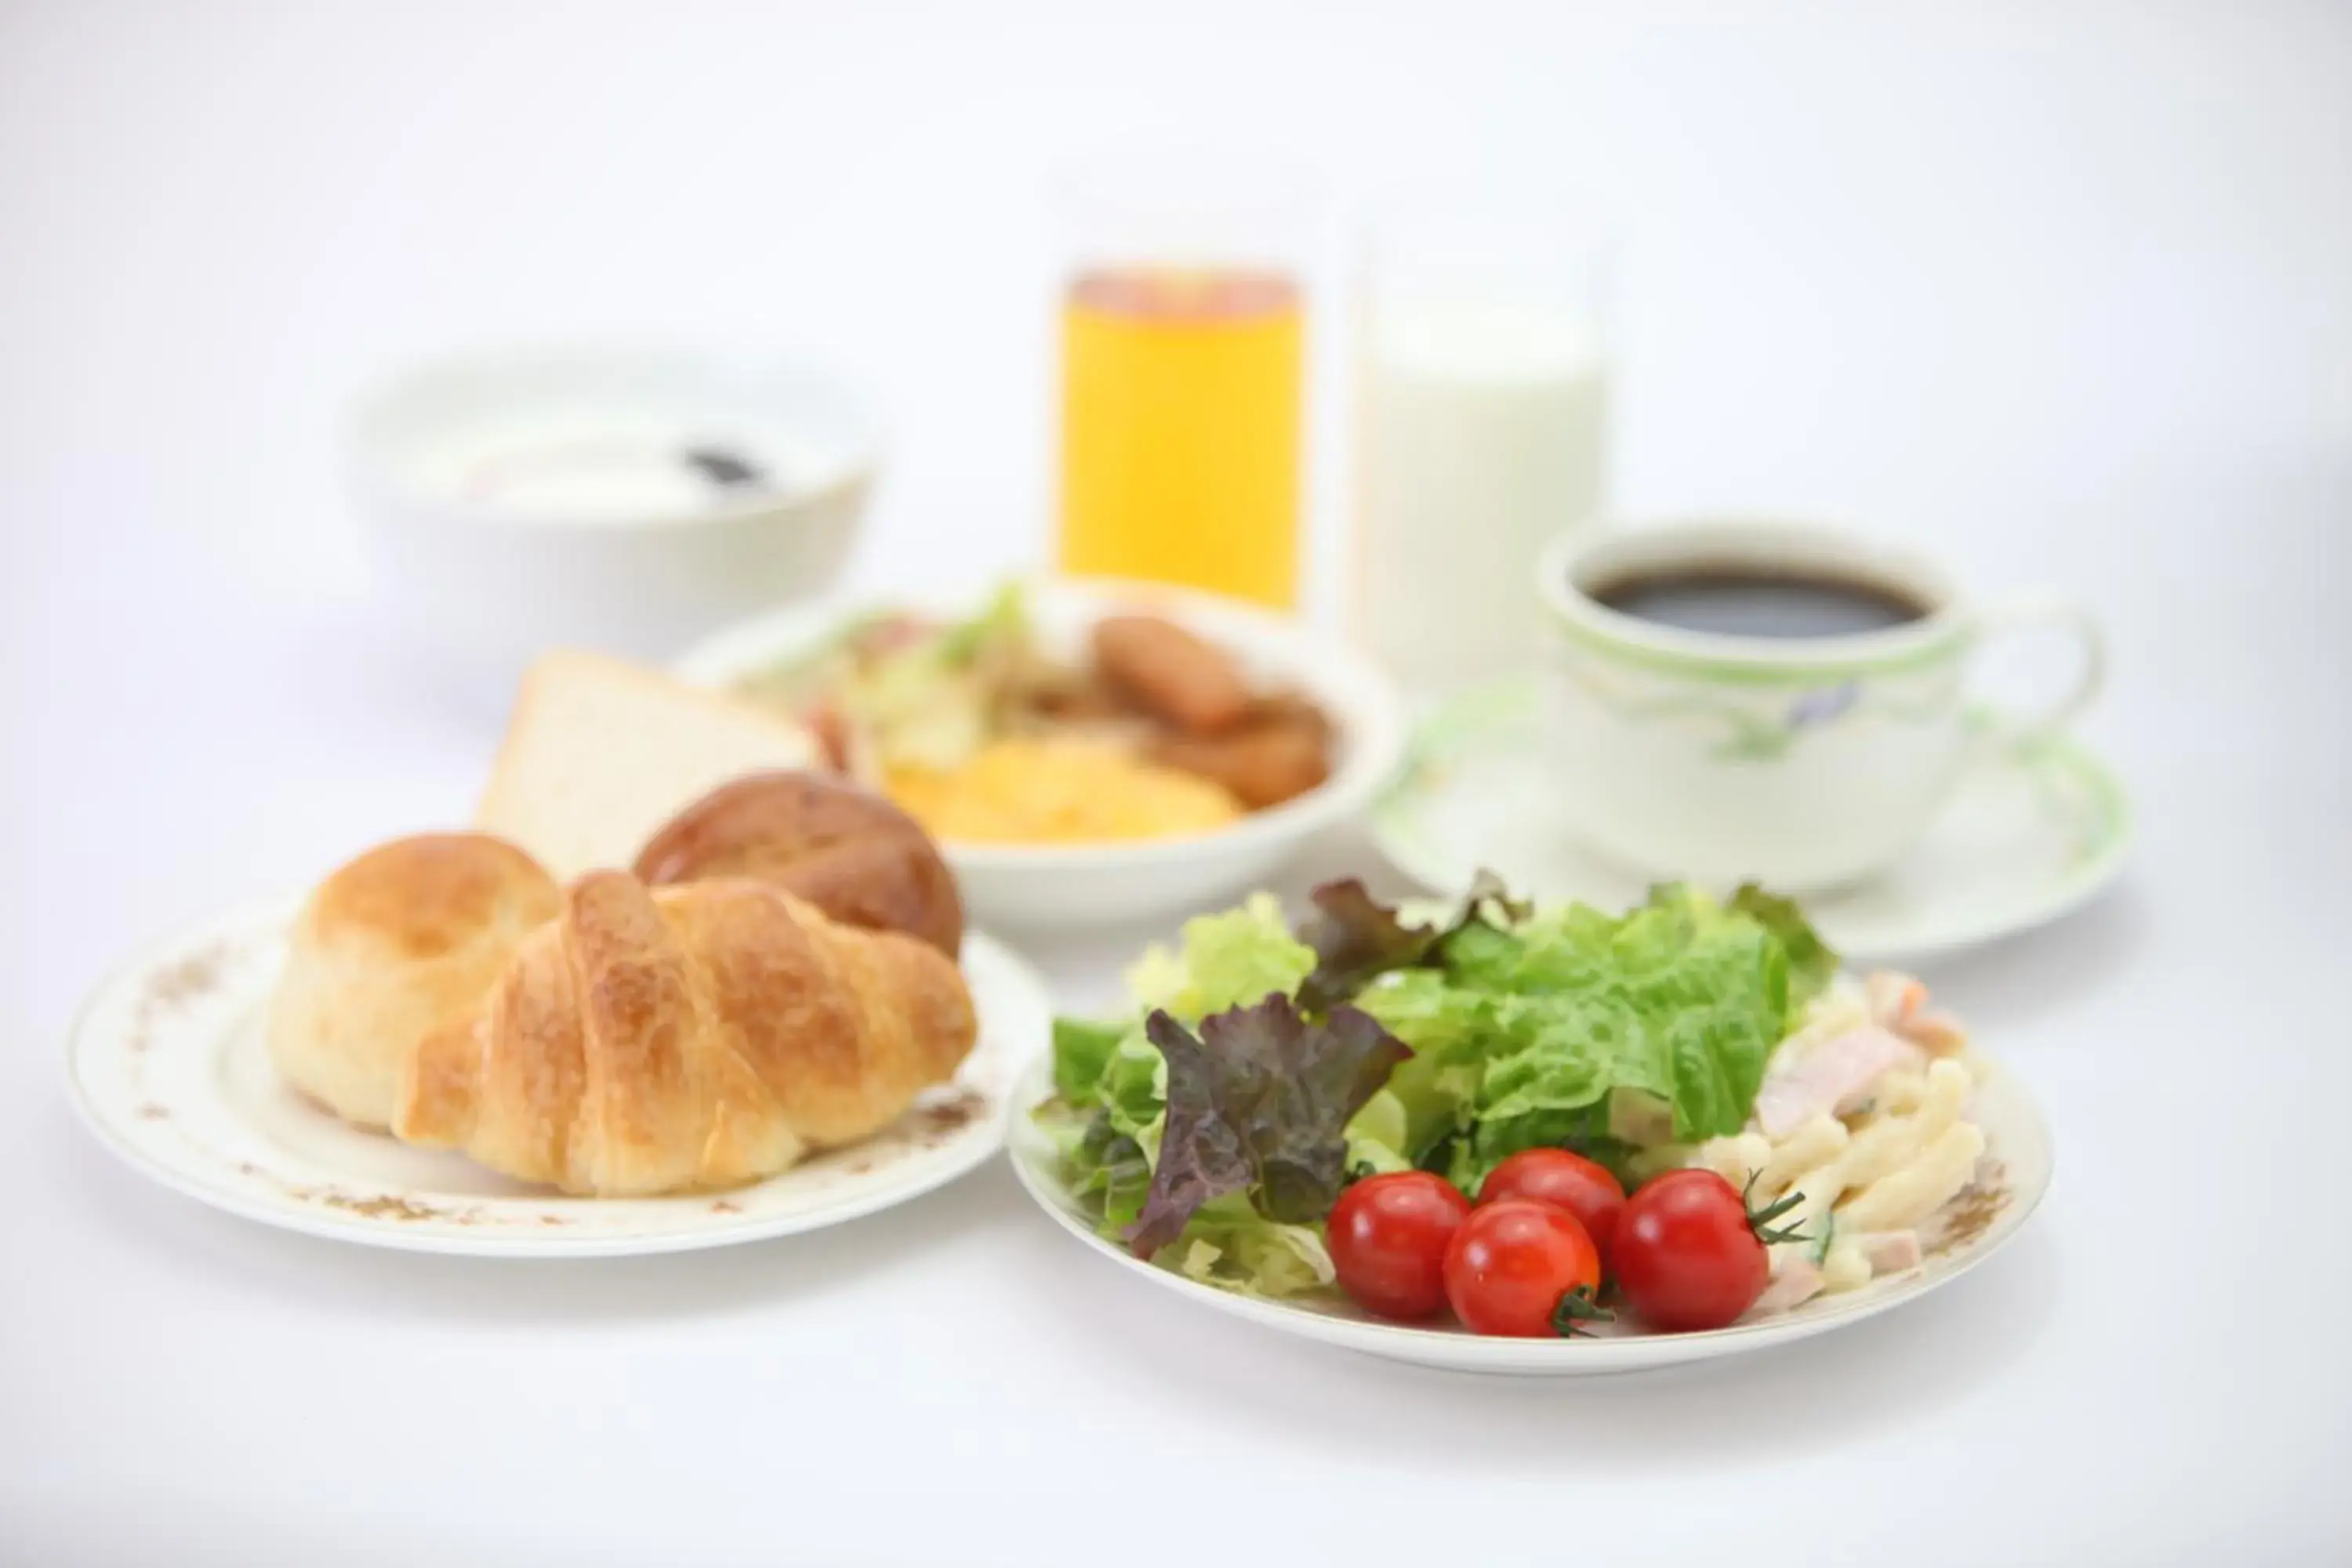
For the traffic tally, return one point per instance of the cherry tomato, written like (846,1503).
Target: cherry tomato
(1511,1264)
(1387,1236)
(1688,1255)
(1583,1188)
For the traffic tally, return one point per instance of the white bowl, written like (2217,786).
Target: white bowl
(1061,885)
(525,497)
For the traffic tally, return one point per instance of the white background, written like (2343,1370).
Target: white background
(2063,291)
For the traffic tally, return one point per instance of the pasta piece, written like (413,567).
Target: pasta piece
(1735,1157)
(1846,1267)
(1899,1093)
(1888,1143)
(1816,1143)
(1840,1010)
(1907,1196)
(1816,1190)
(1837,1011)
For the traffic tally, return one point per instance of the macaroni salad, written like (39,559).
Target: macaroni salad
(1864,1115)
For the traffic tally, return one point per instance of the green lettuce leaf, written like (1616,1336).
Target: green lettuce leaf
(1448,1028)
(1812,963)
(1003,622)
(1258,1103)
(1679,1002)
(1378,1136)
(1221,960)
(1135,1089)
(1228,1243)
(1109,1070)
(1082,1052)
(1112,1169)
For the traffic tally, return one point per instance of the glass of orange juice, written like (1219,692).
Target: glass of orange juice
(1183,339)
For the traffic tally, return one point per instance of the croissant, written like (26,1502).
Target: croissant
(391,947)
(652,1040)
(852,854)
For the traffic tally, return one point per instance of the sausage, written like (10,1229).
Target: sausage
(1264,764)
(1086,699)
(1290,708)
(1171,674)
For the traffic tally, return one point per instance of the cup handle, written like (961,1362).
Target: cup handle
(2038,609)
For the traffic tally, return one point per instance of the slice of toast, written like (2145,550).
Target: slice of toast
(599,753)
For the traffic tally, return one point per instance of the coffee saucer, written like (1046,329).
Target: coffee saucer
(2028,835)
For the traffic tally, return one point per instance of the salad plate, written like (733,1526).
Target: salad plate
(169,1068)
(2015,1178)
(1298,1122)
(2028,835)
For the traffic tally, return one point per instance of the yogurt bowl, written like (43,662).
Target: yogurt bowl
(617,498)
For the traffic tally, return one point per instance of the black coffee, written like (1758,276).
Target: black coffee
(1741,602)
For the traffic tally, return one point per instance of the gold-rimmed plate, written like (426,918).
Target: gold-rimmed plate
(169,1068)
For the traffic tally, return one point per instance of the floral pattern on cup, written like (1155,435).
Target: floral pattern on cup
(1761,726)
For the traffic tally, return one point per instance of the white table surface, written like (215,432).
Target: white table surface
(2065,292)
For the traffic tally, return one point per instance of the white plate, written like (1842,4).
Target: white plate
(1040,886)
(168,1067)
(2025,838)
(2011,1180)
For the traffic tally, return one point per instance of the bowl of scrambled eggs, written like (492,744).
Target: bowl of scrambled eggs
(1083,750)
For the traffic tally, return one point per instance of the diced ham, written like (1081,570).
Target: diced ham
(1798,1281)
(1828,1079)
(1890,1251)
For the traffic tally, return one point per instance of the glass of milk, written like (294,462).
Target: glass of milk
(1482,424)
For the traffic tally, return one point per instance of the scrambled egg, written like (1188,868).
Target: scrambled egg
(1059,791)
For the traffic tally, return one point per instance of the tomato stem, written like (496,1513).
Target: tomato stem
(1760,1220)
(1577,1308)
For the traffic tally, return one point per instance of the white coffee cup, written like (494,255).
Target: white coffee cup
(1807,763)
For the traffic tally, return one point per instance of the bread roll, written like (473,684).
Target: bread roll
(853,855)
(390,947)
